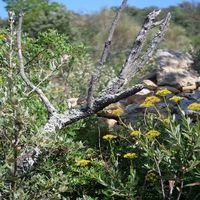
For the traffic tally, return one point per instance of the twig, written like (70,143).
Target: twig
(181,190)
(45,78)
(15,152)
(161,180)
(39,92)
(118,82)
(34,57)
(95,76)
(150,50)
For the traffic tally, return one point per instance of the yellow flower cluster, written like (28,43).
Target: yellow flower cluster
(135,133)
(151,177)
(152,134)
(163,93)
(194,106)
(109,137)
(118,112)
(82,163)
(2,36)
(175,99)
(130,155)
(150,101)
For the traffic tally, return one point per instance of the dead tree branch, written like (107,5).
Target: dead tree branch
(116,84)
(58,121)
(39,92)
(115,90)
(96,75)
(139,63)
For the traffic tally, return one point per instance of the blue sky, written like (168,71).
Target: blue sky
(95,5)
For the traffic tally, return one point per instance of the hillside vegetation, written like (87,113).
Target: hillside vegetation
(52,149)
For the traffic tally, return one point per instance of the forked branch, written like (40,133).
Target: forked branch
(115,90)
(23,75)
(58,121)
(118,83)
(139,63)
(96,75)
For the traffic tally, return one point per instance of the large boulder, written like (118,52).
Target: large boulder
(174,69)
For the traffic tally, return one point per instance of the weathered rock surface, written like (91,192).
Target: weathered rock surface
(139,97)
(189,88)
(149,84)
(174,69)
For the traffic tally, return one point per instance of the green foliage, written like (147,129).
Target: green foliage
(61,67)
(41,15)
(187,14)
(22,113)
(169,158)
(196,57)
(176,38)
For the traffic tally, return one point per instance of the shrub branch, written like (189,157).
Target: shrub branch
(96,75)
(23,75)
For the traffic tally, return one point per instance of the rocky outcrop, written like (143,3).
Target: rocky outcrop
(174,69)
(174,73)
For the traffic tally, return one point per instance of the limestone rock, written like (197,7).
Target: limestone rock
(139,97)
(110,123)
(174,69)
(189,88)
(72,102)
(195,95)
(198,82)
(149,84)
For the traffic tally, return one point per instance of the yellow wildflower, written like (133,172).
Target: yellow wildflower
(82,163)
(130,155)
(135,133)
(152,134)
(150,101)
(194,106)
(2,36)
(146,104)
(163,92)
(166,121)
(175,99)
(118,112)
(151,176)
(109,137)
